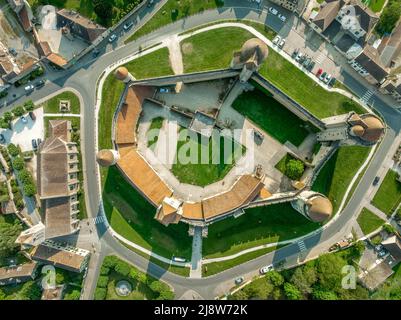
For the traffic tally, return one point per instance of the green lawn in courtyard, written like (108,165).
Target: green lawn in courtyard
(143,67)
(338,172)
(257,226)
(388,196)
(204,52)
(271,116)
(216,267)
(368,221)
(166,15)
(153,131)
(53,105)
(212,49)
(132,216)
(190,167)
(376,5)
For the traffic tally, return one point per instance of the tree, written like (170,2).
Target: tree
(141,277)
(122,268)
(102,281)
(324,295)
(329,271)
(389,228)
(8,234)
(8,116)
(100,293)
(29,189)
(18,163)
(133,274)
(2,295)
(389,18)
(166,295)
(291,292)
(294,169)
(30,291)
(303,279)
(103,9)
(4,124)
(275,278)
(29,106)
(104,271)
(74,295)
(239,295)
(25,176)
(13,149)
(18,111)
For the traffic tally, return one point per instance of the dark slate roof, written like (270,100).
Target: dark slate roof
(369,59)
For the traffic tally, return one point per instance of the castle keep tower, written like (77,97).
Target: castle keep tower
(313,205)
(107,157)
(123,75)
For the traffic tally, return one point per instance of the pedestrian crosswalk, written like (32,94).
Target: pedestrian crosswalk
(301,246)
(98,219)
(320,58)
(366,96)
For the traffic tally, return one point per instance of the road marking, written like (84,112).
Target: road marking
(98,219)
(366,96)
(320,57)
(301,246)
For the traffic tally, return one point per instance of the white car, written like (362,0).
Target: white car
(29,88)
(112,38)
(299,56)
(273,11)
(281,44)
(281,17)
(327,78)
(266,269)
(276,40)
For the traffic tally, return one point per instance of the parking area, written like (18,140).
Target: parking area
(23,131)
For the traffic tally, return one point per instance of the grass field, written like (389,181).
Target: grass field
(166,15)
(52,105)
(376,5)
(143,67)
(368,221)
(256,227)
(337,173)
(216,267)
(190,168)
(271,116)
(132,216)
(388,196)
(204,51)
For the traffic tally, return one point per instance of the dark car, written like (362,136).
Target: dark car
(376,181)
(32,115)
(95,53)
(40,84)
(34,144)
(332,82)
(311,65)
(2,139)
(295,53)
(150,3)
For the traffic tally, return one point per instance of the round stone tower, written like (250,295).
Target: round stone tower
(107,157)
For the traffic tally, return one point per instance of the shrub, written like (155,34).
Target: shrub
(294,169)
(25,176)
(291,292)
(122,268)
(74,295)
(8,116)
(13,149)
(29,189)
(102,281)
(110,261)
(29,106)
(133,274)
(389,228)
(18,163)
(18,111)
(100,293)
(104,271)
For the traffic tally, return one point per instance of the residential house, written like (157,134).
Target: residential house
(61,255)
(326,15)
(58,182)
(18,274)
(393,87)
(78,25)
(357,19)
(393,245)
(24,13)
(369,65)
(390,47)
(19,72)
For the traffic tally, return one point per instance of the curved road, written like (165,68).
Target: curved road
(84,79)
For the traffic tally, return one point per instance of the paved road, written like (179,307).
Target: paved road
(83,78)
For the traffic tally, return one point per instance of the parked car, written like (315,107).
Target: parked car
(295,53)
(13,51)
(2,139)
(40,83)
(239,280)
(299,56)
(281,17)
(332,82)
(163,90)
(319,72)
(32,115)
(276,40)
(95,53)
(128,25)
(34,144)
(382,253)
(150,3)
(281,44)
(327,78)
(322,76)
(24,120)
(112,38)
(39,141)
(302,59)
(29,88)
(273,11)
(376,181)
(378,248)
(306,62)
(311,66)
(266,269)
